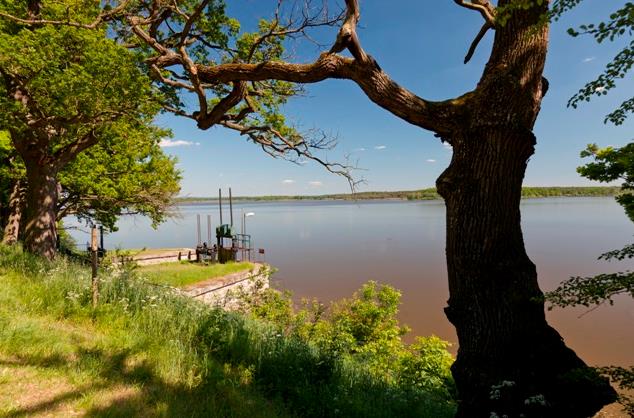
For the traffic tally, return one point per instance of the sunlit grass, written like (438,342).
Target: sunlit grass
(186,273)
(149,351)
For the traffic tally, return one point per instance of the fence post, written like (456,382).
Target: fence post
(94,256)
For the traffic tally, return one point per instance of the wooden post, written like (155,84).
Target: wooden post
(93,253)
(179,256)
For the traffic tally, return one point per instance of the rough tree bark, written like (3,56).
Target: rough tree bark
(16,202)
(495,301)
(40,220)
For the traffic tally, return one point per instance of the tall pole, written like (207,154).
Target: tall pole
(209,230)
(93,254)
(101,236)
(220,203)
(198,230)
(231,207)
(242,232)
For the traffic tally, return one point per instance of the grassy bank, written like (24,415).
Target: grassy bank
(423,194)
(185,273)
(147,351)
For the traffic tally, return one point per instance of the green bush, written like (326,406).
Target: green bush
(364,332)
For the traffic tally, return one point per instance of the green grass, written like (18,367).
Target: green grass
(136,355)
(148,351)
(186,273)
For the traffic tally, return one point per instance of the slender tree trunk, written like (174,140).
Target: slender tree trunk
(40,232)
(16,201)
(510,361)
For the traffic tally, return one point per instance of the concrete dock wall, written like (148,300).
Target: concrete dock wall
(224,291)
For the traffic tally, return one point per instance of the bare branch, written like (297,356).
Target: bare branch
(485,28)
(239,91)
(179,112)
(486,9)
(291,29)
(347,36)
(190,21)
(67,153)
(295,149)
(192,70)
(174,83)
(379,87)
(135,23)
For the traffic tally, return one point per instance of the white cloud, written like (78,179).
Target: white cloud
(359,149)
(315,183)
(447,146)
(431,161)
(302,162)
(589,59)
(600,89)
(168,143)
(288,181)
(380,147)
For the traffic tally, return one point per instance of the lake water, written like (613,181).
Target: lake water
(327,249)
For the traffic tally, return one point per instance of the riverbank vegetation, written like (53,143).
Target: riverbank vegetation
(146,350)
(423,194)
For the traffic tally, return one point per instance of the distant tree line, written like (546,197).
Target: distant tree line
(423,194)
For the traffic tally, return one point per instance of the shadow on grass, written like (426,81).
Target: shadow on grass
(54,401)
(116,373)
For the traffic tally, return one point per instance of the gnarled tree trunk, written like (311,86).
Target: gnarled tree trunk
(510,361)
(495,301)
(16,202)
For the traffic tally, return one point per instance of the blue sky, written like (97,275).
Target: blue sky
(421,44)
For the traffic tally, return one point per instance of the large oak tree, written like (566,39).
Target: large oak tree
(62,90)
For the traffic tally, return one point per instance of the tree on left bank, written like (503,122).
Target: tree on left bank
(62,91)
(118,176)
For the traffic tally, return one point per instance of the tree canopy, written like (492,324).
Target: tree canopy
(75,86)
(65,89)
(126,174)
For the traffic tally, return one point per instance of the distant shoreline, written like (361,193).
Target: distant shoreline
(412,195)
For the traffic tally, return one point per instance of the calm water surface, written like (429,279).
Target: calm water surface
(328,249)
